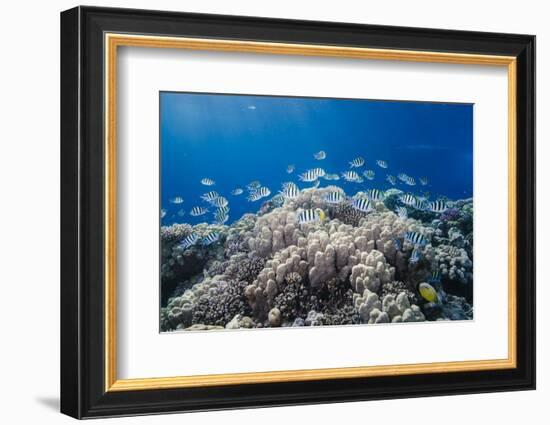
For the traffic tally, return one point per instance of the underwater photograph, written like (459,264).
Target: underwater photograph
(281,211)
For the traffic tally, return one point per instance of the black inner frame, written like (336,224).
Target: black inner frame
(82,207)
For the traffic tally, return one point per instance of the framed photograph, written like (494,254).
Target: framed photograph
(261,212)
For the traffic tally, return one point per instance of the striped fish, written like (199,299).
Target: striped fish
(415,256)
(253,185)
(320,155)
(222,210)
(210,238)
(408,199)
(254,196)
(392,191)
(278,200)
(221,218)
(391,179)
(434,277)
(416,238)
(189,241)
(290,191)
(369,174)
(438,206)
(382,164)
(333,197)
(352,176)
(177,200)
(420,204)
(310,216)
(237,191)
(362,204)
(397,244)
(402,213)
(331,177)
(375,195)
(210,196)
(208,182)
(312,175)
(357,162)
(423,181)
(402,176)
(198,211)
(410,181)
(220,202)
(263,191)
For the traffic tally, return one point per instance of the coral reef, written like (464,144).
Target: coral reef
(352,267)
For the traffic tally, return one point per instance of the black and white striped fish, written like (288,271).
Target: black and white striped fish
(416,256)
(208,182)
(410,181)
(362,204)
(198,211)
(312,175)
(416,238)
(210,238)
(320,155)
(237,191)
(220,217)
(357,162)
(391,179)
(408,199)
(420,204)
(254,196)
(402,213)
(219,202)
(369,174)
(438,206)
(381,163)
(290,191)
(310,216)
(331,177)
(402,176)
(210,196)
(253,185)
(335,197)
(222,210)
(189,241)
(352,176)
(263,191)
(375,195)
(177,200)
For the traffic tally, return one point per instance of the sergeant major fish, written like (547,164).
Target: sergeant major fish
(369,174)
(311,216)
(210,238)
(362,204)
(189,241)
(177,200)
(198,211)
(208,182)
(416,238)
(357,162)
(320,155)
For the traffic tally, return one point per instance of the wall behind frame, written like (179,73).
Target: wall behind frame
(29,217)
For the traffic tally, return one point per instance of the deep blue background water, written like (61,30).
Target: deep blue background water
(235,139)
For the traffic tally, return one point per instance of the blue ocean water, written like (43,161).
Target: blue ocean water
(236,139)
